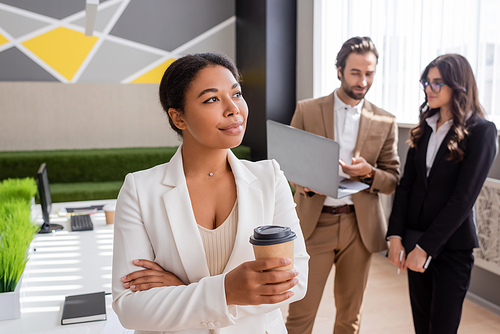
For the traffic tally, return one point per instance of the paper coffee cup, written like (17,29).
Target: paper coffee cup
(271,241)
(109,212)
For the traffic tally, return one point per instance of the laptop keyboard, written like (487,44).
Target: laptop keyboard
(81,223)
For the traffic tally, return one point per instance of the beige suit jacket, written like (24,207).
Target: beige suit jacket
(377,142)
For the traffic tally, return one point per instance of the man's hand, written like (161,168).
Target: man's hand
(305,188)
(152,277)
(359,167)
(416,260)
(309,190)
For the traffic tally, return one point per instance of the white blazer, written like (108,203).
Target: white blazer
(155,221)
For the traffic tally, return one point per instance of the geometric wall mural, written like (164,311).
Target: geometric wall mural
(134,41)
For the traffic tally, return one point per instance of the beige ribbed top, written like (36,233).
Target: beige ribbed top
(219,243)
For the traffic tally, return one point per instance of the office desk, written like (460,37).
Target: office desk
(65,263)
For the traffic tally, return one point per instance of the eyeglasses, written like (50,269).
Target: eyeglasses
(435,86)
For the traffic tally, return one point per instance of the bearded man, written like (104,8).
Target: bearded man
(346,231)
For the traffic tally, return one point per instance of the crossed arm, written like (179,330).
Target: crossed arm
(248,284)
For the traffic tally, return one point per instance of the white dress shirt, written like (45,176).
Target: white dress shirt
(346,126)
(436,138)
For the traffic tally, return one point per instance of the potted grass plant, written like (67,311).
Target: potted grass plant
(16,233)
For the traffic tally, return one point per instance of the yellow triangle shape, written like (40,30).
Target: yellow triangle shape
(3,40)
(62,49)
(155,75)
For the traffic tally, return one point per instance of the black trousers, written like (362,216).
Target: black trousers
(437,295)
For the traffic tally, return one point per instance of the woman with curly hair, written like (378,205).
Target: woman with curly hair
(432,228)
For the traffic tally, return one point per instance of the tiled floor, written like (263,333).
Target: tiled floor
(386,308)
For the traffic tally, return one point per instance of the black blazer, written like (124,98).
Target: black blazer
(442,204)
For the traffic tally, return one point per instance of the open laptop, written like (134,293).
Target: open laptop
(309,160)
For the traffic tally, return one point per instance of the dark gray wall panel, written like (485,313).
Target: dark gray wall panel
(266,57)
(16,66)
(57,9)
(281,60)
(223,41)
(403,146)
(495,169)
(168,24)
(251,60)
(485,285)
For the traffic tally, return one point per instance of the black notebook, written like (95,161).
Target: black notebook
(84,308)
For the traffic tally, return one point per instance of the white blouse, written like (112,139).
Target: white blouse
(436,138)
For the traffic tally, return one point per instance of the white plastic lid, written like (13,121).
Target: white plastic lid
(109,207)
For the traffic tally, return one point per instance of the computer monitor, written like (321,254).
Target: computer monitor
(42,182)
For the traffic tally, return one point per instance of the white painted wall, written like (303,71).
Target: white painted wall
(47,115)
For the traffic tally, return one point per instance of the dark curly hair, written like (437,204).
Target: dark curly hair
(457,74)
(180,74)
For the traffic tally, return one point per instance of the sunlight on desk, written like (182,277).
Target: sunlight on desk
(64,263)
(104,236)
(53,288)
(37,256)
(61,235)
(52,270)
(56,249)
(106,254)
(41,309)
(110,231)
(43,298)
(50,263)
(64,241)
(52,279)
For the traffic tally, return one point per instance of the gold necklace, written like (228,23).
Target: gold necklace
(212,173)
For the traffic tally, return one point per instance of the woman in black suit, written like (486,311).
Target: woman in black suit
(432,228)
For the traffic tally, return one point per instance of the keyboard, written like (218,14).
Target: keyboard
(81,223)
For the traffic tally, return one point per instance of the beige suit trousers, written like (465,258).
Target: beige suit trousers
(335,240)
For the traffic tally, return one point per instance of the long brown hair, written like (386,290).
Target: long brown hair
(456,73)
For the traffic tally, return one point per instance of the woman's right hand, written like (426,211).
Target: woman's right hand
(251,284)
(395,250)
